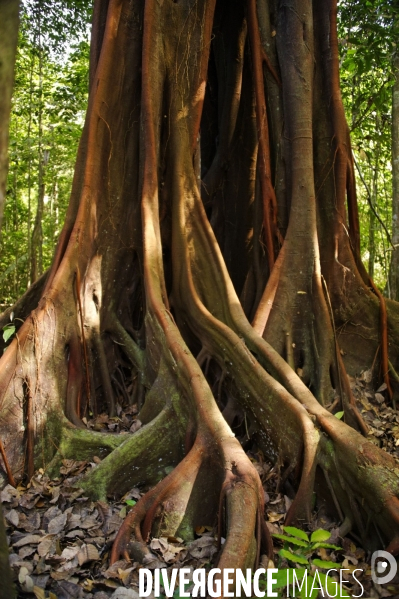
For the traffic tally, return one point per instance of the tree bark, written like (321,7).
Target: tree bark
(7,587)
(9,22)
(394,267)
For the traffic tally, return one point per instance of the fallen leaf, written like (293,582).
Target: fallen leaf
(47,545)
(88,553)
(57,524)
(274,517)
(13,517)
(135,426)
(28,540)
(39,593)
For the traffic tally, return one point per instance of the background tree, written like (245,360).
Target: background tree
(8,45)
(394,274)
(50,97)
(368,34)
(214,157)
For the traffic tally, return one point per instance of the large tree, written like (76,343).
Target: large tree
(210,255)
(9,19)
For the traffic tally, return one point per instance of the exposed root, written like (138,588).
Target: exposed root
(270,67)
(130,347)
(143,458)
(268,194)
(30,434)
(10,476)
(384,339)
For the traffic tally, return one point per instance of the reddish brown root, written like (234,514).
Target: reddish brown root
(140,518)
(355,419)
(7,466)
(268,193)
(270,67)
(384,338)
(30,434)
(301,506)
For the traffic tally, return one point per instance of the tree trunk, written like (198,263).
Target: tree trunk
(9,21)
(36,245)
(374,201)
(394,267)
(371,244)
(7,587)
(215,164)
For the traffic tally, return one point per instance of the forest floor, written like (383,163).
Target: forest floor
(60,540)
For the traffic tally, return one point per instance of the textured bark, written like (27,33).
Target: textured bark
(215,156)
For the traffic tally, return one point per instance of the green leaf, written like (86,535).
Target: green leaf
(291,540)
(296,532)
(320,535)
(8,331)
(130,502)
(326,546)
(326,565)
(297,559)
(339,416)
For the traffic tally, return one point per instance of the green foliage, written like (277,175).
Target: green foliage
(296,532)
(51,96)
(130,502)
(298,549)
(8,331)
(320,535)
(49,103)
(368,33)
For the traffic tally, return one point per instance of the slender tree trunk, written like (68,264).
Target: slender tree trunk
(36,246)
(29,133)
(9,21)
(36,262)
(371,243)
(394,268)
(372,218)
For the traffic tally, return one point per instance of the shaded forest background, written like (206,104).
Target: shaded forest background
(49,104)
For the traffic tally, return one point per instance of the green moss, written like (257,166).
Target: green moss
(140,459)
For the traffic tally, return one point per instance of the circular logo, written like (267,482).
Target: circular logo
(383,567)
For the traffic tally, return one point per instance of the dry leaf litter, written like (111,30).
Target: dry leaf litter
(60,540)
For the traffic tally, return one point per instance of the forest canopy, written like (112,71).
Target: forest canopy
(50,98)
